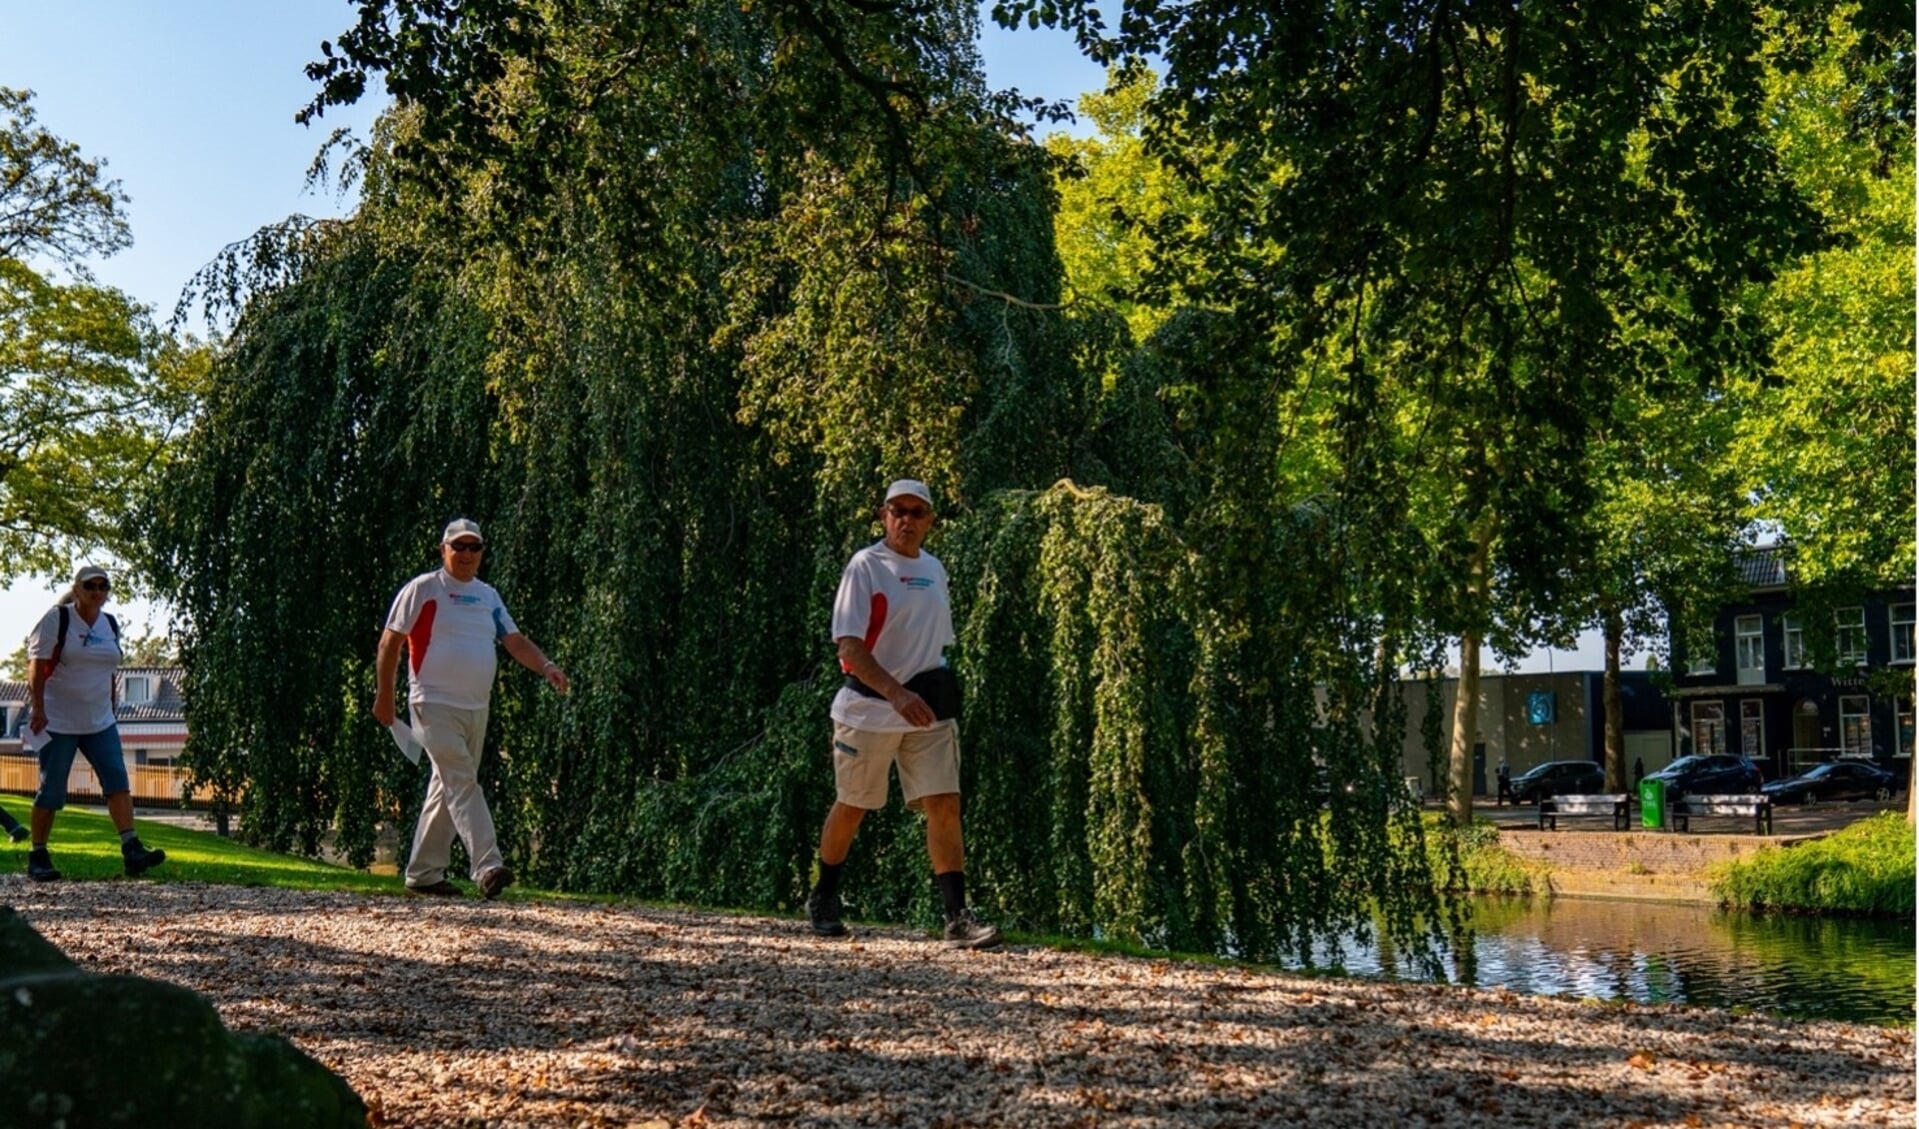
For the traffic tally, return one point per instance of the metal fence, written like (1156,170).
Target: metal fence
(151,784)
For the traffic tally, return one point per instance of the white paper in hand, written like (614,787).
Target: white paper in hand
(33,742)
(403,737)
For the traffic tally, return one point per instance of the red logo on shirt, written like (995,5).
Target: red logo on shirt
(418,639)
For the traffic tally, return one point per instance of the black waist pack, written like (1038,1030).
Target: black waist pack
(938,687)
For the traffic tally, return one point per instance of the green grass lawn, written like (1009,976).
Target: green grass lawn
(1867,868)
(85,846)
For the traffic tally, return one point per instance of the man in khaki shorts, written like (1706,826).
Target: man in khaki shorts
(899,706)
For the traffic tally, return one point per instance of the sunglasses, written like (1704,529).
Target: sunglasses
(467,547)
(910,513)
(98,586)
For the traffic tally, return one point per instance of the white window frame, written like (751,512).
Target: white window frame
(1855,725)
(1899,618)
(1795,640)
(1708,728)
(1849,635)
(127,684)
(1749,649)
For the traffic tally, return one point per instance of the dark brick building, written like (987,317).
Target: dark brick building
(1759,694)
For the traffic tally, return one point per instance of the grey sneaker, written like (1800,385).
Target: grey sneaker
(40,867)
(823,914)
(495,880)
(137,859)
(964,931)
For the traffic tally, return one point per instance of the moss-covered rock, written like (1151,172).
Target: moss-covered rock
(90,1050)
(23,951)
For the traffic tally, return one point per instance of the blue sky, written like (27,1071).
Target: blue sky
(191,105)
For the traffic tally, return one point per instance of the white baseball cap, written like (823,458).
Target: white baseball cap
(461,527)
(910,486)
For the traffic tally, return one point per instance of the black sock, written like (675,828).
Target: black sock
(829,883)
(952,886)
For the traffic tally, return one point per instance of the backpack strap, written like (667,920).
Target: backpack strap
(60,639)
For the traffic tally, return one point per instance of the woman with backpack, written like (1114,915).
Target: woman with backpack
(74,653)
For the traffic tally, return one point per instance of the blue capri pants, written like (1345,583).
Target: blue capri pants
(102,751)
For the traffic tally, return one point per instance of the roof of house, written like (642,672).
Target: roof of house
(164,705)
(1762,567)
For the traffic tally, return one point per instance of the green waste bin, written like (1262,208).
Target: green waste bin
(1652,802)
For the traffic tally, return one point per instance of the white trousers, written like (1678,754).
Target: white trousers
(454,803)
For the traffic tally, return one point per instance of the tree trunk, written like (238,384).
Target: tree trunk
(1615,708)
(1459,799)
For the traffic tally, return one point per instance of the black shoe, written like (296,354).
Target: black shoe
(440,889)
(17,833)
(964,931)
(137,859)
(495,880)
(40,867)
(823,914)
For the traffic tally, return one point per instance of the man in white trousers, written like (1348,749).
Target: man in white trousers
(450,622)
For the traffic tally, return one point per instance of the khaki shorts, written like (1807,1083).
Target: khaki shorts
(928,760)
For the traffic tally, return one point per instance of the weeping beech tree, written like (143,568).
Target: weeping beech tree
(660,294)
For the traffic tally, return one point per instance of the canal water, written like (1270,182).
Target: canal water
(1655,952)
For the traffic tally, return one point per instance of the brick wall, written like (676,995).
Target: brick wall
(1645,852)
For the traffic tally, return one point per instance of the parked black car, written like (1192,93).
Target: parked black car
(1837,780)
(1715,774)
(1558,778)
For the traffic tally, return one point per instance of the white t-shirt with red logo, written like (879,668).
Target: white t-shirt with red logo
(452,632)
(898,607)
(79,692)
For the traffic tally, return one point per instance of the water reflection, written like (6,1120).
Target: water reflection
(1805,968)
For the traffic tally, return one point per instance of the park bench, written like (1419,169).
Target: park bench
(1759,807)
(1552,807)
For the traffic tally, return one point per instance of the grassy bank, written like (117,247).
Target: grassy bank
(1470,860)
(1867,868)
(84,845)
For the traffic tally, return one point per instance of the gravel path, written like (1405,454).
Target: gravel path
(524,1013)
